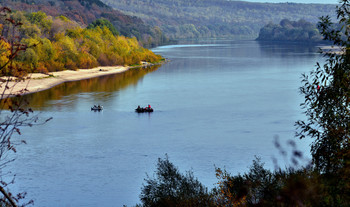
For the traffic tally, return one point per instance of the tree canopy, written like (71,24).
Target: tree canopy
(60,43)
(291,31)
(103,23)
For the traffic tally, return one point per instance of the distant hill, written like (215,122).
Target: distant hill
(217,18)
(87,11)
(290,31)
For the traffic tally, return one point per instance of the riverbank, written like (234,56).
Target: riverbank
(337,50)
(36,82)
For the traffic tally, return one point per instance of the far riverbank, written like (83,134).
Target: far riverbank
(36,82)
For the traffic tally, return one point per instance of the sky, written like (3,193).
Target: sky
(298,1)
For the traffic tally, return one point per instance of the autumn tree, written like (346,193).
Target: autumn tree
(13,113)
(61,43)
(103,23)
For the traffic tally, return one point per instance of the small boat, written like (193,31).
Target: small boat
(97,108)
(144,109)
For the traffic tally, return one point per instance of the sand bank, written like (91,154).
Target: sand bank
(36,82)
(337,50)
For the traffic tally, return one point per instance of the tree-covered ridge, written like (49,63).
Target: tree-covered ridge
(292,31)
(86,11)
(55,44)
(216,18)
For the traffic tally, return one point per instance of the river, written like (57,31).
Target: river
(217,103)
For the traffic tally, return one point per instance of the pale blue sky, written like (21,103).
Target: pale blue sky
(298,1)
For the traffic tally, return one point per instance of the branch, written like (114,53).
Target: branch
(7,196)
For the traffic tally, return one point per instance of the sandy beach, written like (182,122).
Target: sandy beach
(36,82)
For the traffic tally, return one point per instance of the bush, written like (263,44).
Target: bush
(171,188)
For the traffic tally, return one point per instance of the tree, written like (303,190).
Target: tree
(327,108)
(171,188)
(14,115)
(327,99)
(103,23)
(298,31)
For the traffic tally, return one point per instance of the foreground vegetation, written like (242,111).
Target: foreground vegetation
(323,182)
(55,44)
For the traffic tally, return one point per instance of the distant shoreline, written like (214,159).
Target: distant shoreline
(331,49)
(36,82)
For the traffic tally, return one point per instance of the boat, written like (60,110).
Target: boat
(144,109)
(97,108)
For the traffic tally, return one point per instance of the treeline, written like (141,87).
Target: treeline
(290,31)
(55,44)
(257,187)
(217,18)
(85,12)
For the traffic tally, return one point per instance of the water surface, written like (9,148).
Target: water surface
(216,103)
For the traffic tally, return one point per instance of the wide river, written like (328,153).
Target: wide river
(217,103)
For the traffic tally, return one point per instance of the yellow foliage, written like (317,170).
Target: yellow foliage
(87,61)
(42,68)
(60,44)
(225,197)
(70,64)
(59,36)
(75,33)
(53,65)
(63,18)
(4,53)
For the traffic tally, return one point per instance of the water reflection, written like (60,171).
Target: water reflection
(96,89)
(284,50)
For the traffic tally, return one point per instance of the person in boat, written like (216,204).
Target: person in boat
(149,106)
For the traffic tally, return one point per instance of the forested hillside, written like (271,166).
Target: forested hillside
(58,43)
(291,31)
(217,18)
(86,11)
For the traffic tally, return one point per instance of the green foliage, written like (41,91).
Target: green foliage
(103,23)
(40,19)
(327,100)
(292,31)
(327,108)
(63,18)
(262,187)
(171,188)
(90,3)
(257,187)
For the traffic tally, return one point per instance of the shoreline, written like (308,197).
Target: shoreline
(36,82)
